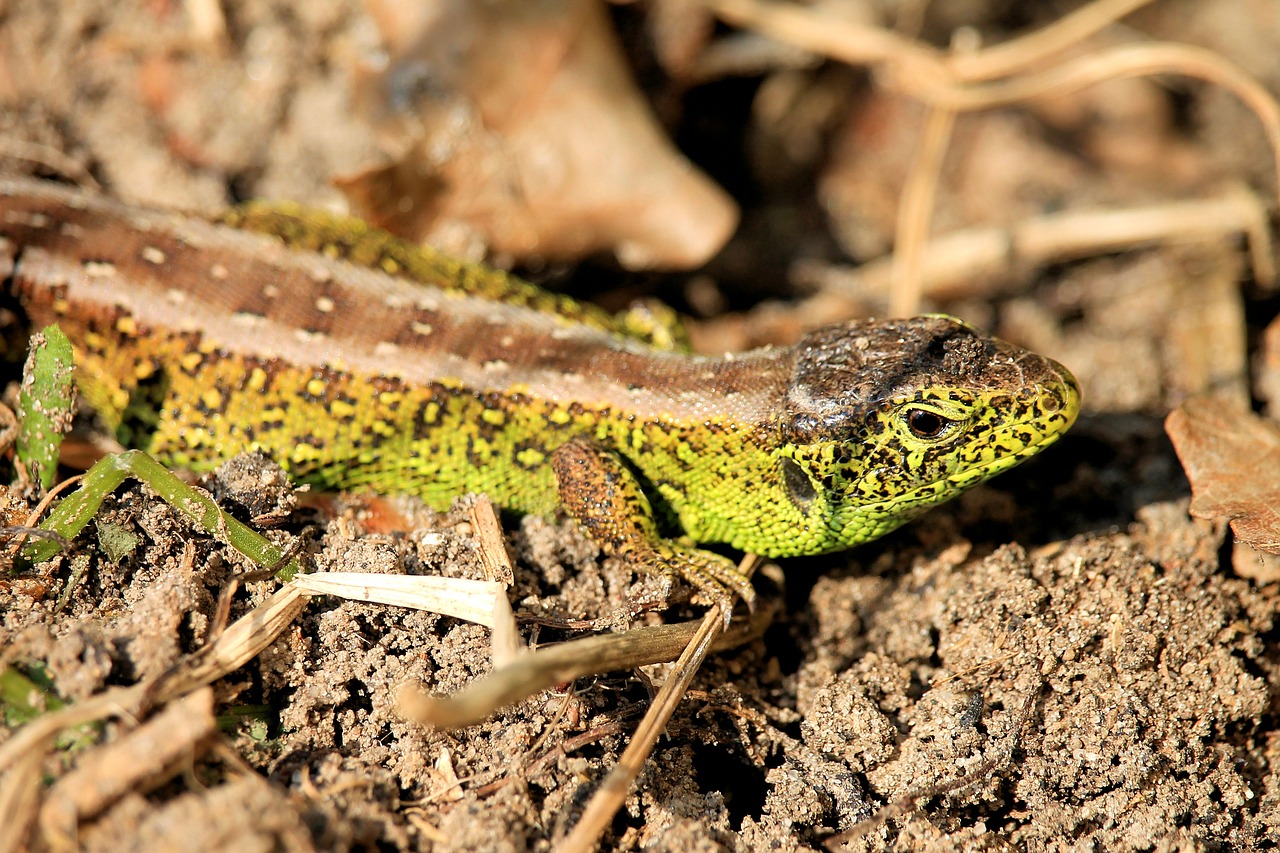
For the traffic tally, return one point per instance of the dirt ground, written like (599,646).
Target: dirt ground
(1061,659)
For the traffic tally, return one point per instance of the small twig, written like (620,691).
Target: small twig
(914,212)
(842,39)
(955,82)
(504,641)
(237,645)
(960,263)
(566,747)
(147,755)
(36,735)
(556,664)
(613,790)
(1141,60)
(910,62)
(50,497)
(1017,54)
(37,532)
(950,262)
(494,560)
(292,550)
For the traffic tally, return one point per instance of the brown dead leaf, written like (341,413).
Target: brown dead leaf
(1232,459)
(516,127)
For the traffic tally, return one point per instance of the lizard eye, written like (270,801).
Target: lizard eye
(927,424)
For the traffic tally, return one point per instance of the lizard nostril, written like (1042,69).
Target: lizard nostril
(1051,402)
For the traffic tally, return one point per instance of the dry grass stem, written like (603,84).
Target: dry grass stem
(142,759)
(951,264)
(913,64)
(461,598)
(236,646)
(19,790)
(1141,60)
(613,790)
(504,642)
(239,644)
(532,672)
(913,215)
(36,736)
(1015,55)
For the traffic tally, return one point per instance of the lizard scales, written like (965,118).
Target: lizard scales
(316,344)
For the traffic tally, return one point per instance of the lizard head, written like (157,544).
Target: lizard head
(883,420)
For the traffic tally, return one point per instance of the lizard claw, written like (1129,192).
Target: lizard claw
(716,579)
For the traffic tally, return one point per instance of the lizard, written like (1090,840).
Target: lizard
(360,361)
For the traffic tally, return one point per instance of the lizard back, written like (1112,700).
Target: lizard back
(199,340)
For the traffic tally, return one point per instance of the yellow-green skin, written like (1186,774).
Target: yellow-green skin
(810,449)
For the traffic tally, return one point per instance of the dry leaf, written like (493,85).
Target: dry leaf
(515,126)
(1232,459)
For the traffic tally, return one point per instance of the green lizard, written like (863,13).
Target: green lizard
(361,362)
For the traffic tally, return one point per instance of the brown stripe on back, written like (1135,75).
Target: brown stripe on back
(250,295)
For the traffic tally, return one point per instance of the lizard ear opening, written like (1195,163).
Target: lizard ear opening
(799,487)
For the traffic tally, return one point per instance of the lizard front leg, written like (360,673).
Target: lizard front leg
(605,497)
